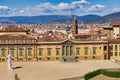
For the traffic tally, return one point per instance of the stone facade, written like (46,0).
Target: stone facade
(34,51)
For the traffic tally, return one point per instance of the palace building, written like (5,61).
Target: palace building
(15,41)
(24,47)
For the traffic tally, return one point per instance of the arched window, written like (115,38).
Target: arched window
(105,47)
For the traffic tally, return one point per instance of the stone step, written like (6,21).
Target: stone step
(70,59)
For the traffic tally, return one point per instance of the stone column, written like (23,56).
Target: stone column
(69,50)
(64,50)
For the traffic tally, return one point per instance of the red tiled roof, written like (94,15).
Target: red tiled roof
(113,41)
(8,36)
(115,23)
(13,29)
(96,29)
(49,39)
(82,35)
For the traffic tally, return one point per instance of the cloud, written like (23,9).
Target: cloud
(75,7)
(82,2)
(113,10)
(38,9)
(116,9)
(63,6)
(49,8)
(3,7)
(96,8)
(5,10)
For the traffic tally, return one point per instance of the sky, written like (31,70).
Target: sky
(58,7)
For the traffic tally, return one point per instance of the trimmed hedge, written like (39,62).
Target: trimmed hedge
(92,74)
(115,74)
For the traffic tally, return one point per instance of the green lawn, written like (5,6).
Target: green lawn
(102,77)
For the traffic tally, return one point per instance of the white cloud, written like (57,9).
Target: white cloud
(38,9)
(96,8)
(4,7)
(5,10)
(63,6)
(113,10)
(51,8)
(116,9)
(75,7)
(81,2)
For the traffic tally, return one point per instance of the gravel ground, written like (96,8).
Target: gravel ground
(52,70)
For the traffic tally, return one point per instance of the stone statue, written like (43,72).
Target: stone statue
(10,62)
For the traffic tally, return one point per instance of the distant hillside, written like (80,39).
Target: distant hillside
(37,19)
(91,16)
(110,17)
(45,19)
(59,19)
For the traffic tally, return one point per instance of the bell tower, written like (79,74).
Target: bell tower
(75,26)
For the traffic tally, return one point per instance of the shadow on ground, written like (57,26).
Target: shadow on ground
(18,67)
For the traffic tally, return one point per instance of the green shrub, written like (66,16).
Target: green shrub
(16,77)
(89,75)
(110,73)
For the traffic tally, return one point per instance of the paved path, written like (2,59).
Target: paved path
(52,70)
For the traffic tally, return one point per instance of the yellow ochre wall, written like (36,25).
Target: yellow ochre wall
(100,52)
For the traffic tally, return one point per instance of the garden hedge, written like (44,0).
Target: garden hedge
(115,74)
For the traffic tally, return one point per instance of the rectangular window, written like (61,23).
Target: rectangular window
(12,52)
(77,51)
(115,47)
(3,41)
(49,51)
(29,41)
(20,52)
(94,50)
(111,47)
(57,51)
(111,53)
(40,51)
(12,41)
(86,51)
(3,53)
(29,53)
(20,41)
(115,53)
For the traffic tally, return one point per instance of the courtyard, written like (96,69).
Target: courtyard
(52,70)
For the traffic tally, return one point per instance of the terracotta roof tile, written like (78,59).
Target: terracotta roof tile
(96,29)
(8,36)
(115,23)
(82,35)
(13,29)
(114,41)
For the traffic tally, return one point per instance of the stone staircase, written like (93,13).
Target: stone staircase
(70,59)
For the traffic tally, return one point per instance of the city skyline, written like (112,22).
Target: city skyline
(57,7)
